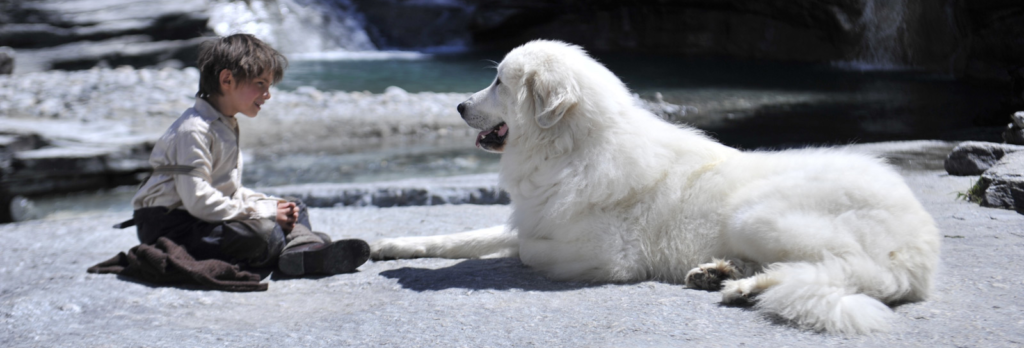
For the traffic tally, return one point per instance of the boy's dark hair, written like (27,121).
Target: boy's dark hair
(245,56)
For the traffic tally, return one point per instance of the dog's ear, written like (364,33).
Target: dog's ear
(554,93)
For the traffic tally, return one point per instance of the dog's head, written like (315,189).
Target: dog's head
(537,85)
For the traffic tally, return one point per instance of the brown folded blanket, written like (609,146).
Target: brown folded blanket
(168,263)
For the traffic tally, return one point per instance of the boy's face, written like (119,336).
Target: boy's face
(246,97)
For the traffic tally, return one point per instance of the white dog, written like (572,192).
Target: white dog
(603,190)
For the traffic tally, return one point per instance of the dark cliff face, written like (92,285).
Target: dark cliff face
(404,24)
(996,36)
(975,38)
(743,28)
(795,30)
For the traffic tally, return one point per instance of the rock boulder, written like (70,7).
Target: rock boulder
(1014,133)
(976,157)
(1001,167)
(1002,186)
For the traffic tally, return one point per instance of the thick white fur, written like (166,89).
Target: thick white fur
(603,190)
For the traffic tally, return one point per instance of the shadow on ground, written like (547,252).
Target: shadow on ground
(486,274)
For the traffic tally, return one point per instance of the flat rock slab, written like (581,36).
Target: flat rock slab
(47,298)
(462,189)
(51,156)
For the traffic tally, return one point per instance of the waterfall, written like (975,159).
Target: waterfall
(882,45)
(294,27)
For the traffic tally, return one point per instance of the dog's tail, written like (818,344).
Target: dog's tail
(837,295)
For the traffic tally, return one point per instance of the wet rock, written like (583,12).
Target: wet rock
(975,157)
(6,60)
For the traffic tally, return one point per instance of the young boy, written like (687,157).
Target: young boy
(195,195)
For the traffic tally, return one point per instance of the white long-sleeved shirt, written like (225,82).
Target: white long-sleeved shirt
(207,140)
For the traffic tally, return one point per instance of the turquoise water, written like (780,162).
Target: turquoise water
(743,103)
(466,73)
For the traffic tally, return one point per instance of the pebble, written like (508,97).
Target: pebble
(71,307)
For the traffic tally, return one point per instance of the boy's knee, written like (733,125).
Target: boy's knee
(256,242)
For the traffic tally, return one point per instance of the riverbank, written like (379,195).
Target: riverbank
(94,129)
(47,298)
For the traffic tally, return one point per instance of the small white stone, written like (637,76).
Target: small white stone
(71,307)
(395,91)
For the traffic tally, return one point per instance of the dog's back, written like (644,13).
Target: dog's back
(839,233)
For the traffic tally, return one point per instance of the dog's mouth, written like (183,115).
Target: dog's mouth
(493,140)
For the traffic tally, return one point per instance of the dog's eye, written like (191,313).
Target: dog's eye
(497,83)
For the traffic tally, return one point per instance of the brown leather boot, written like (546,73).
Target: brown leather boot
(343,256)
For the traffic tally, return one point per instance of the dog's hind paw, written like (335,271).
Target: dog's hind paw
(739,291)
(709,276)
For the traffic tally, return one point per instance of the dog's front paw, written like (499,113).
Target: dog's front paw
(391,249)
(709,276)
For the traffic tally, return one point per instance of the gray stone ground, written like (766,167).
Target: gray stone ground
(48,300)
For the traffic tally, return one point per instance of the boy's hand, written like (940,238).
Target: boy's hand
(287,215)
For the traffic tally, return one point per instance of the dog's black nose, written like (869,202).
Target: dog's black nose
(461,108)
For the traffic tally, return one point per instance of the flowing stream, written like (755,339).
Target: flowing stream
(294,27)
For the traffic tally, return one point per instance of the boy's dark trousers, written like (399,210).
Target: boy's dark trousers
(255,243)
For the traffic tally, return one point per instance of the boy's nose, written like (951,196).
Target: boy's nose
(267,94)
